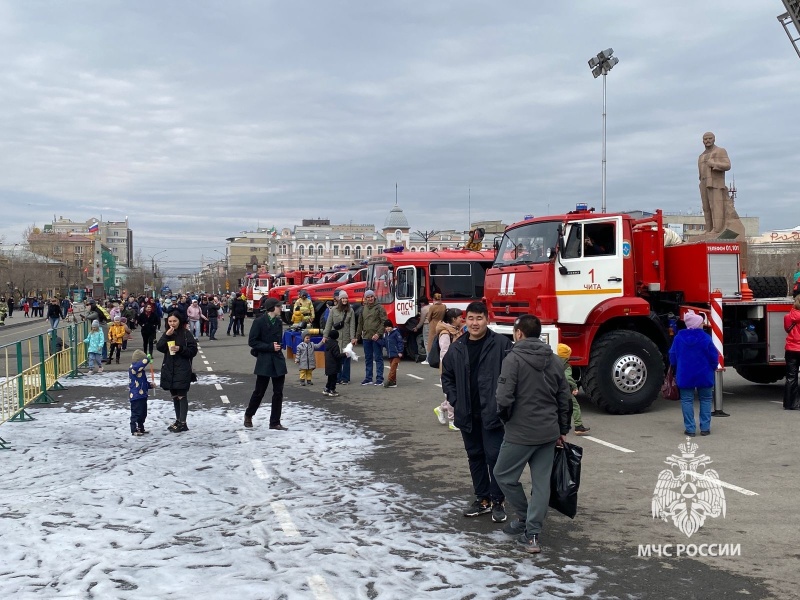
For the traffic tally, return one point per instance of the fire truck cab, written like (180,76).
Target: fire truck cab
(401,279)
(608,286)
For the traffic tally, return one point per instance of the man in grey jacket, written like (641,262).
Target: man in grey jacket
(533,401)
(371,329)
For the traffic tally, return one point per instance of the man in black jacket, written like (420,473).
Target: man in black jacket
(265,339)
(533,400)
(239,312)
(470,370)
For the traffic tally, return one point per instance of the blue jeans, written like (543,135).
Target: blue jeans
(195,326)
(212,328)
(344,371)
(373,351)
(687,404)
(54,322)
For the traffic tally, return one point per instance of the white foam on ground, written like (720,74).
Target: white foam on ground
(87,510)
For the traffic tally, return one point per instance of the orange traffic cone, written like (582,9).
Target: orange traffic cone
(747,293)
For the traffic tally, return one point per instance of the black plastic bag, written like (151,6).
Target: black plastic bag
(565,479)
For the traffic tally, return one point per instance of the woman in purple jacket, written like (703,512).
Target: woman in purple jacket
(695,359)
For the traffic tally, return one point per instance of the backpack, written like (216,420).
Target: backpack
(796,288)
(434,353)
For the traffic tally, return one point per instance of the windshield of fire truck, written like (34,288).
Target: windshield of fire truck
(380,279)
(527,244)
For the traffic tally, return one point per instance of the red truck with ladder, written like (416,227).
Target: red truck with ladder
(609,287)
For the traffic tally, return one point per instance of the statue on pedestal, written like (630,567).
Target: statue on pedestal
(722,220)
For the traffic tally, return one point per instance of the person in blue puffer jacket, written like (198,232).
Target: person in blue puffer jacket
(95,343)
(393,342)
(695,359)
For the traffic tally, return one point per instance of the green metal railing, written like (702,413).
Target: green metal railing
(33,367)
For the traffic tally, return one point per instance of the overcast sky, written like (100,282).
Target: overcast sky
(198,120)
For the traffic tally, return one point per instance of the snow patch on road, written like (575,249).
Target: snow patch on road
(87,511)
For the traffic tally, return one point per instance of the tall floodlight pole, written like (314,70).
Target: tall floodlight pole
(601,65)
(792,17)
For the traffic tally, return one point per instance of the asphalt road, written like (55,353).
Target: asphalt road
(752,452)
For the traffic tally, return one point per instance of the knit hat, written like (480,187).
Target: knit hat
(368,293)
(117,319)
(343,296)
(692,320)
(564,351)
(334,335)
(388,323)
(138,356)
(95,323)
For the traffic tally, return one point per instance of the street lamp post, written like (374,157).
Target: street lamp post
(601,65)
(153,269)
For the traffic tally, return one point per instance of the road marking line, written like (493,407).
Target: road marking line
(243,437)
(604,443)
(438,384)
(288,526)
(209,369)
(224,399)
(776,401)
(205,362)
(218,386)
(415,376)
(319,588)
(730,486)
(258,467)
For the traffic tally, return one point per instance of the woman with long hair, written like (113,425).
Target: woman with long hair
(448,331)
(179,347)
(149,322)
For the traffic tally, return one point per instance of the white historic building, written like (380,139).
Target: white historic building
(316,244)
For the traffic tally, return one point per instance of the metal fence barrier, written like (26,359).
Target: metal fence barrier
(33,366)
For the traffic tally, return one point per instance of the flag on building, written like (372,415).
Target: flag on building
(273,232)
(94,227)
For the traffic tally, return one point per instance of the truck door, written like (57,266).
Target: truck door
(405,297)
(592,258)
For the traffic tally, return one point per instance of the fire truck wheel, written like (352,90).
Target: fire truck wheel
(768,287)
(625,372)
(761,373)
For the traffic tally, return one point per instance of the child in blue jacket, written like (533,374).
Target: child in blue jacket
(138,387)
(393,342)
(95,342)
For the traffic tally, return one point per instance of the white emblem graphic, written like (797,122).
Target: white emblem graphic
(688,492)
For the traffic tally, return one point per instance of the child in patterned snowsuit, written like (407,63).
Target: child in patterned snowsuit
(138,387)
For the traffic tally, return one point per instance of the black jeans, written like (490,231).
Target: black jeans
(138,414)
(483,447)
(148,340)
(791,395)
(262,383)
(212,328)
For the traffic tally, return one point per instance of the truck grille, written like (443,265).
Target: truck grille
(507,312)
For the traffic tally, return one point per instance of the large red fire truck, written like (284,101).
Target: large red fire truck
(322,291)
(400,279)
(609,287)
(257,286)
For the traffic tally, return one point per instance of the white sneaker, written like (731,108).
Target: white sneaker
(440,414)
(452,427)
(425,362)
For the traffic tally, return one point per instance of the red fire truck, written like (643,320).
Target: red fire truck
(609,287)
(258,286)
(400,279)
(322,291)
